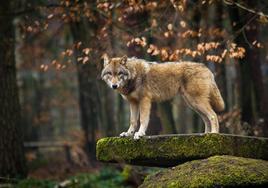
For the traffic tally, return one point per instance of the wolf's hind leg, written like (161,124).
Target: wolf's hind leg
(145,107)
(134,114)
(199,109)
(203,108)
(215,126)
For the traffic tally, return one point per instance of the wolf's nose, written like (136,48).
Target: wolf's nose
(114,86)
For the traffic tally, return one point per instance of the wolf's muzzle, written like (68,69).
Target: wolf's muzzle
(114,86)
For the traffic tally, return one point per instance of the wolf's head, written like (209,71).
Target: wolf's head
(115,72)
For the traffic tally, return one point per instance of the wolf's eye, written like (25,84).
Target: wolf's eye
(120,73)
(108,73)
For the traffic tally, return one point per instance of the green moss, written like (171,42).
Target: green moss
(34,183)
(175,149)
(126,173)
(105,178)
(217,171)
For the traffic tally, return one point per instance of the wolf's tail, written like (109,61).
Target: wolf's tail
(216,100)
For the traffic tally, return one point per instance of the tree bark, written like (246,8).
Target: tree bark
(253,98)
(246,102)
(220,68)
(12,161)
(166,117)
(88,92)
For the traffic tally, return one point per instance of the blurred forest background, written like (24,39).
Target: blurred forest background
(54,105)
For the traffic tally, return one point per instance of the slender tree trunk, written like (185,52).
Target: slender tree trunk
(166,117)
(246,102)
(96,105)
(12,161)
(30,131)
(88,90)
(111,106)
(253,97)
(220,68)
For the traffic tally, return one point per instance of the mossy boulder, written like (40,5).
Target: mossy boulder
(171,150)
(216,171)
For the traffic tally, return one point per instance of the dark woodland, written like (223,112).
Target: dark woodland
(54,105)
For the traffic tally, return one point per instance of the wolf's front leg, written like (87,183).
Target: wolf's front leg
(145,107)
(134,114)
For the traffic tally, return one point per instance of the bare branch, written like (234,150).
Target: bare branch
(259,13)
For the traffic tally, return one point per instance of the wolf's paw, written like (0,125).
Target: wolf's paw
(138,135)
(126,134)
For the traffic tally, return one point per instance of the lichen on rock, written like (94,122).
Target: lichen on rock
(216,171)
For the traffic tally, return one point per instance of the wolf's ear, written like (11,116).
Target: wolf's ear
(124,60)
(105,59)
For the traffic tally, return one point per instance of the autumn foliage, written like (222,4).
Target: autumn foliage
(166,34)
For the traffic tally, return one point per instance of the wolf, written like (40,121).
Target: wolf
(141,82)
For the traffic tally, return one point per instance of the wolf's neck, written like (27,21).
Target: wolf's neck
(129,87)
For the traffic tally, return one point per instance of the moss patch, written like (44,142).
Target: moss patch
(216,171)
(34,183)
(105,178)
(171,150)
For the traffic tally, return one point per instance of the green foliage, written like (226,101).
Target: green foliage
(126,173)
(34,183)
(217,171)
(105,178)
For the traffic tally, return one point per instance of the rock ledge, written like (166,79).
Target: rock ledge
(171,150)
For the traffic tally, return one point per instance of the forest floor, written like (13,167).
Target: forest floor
(54,165)
(51,169)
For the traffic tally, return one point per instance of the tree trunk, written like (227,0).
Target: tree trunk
(12,161)
(246,102)
(29,92)
(84,31)
(220,68)
(166,117)
(253,98)
(114,105)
